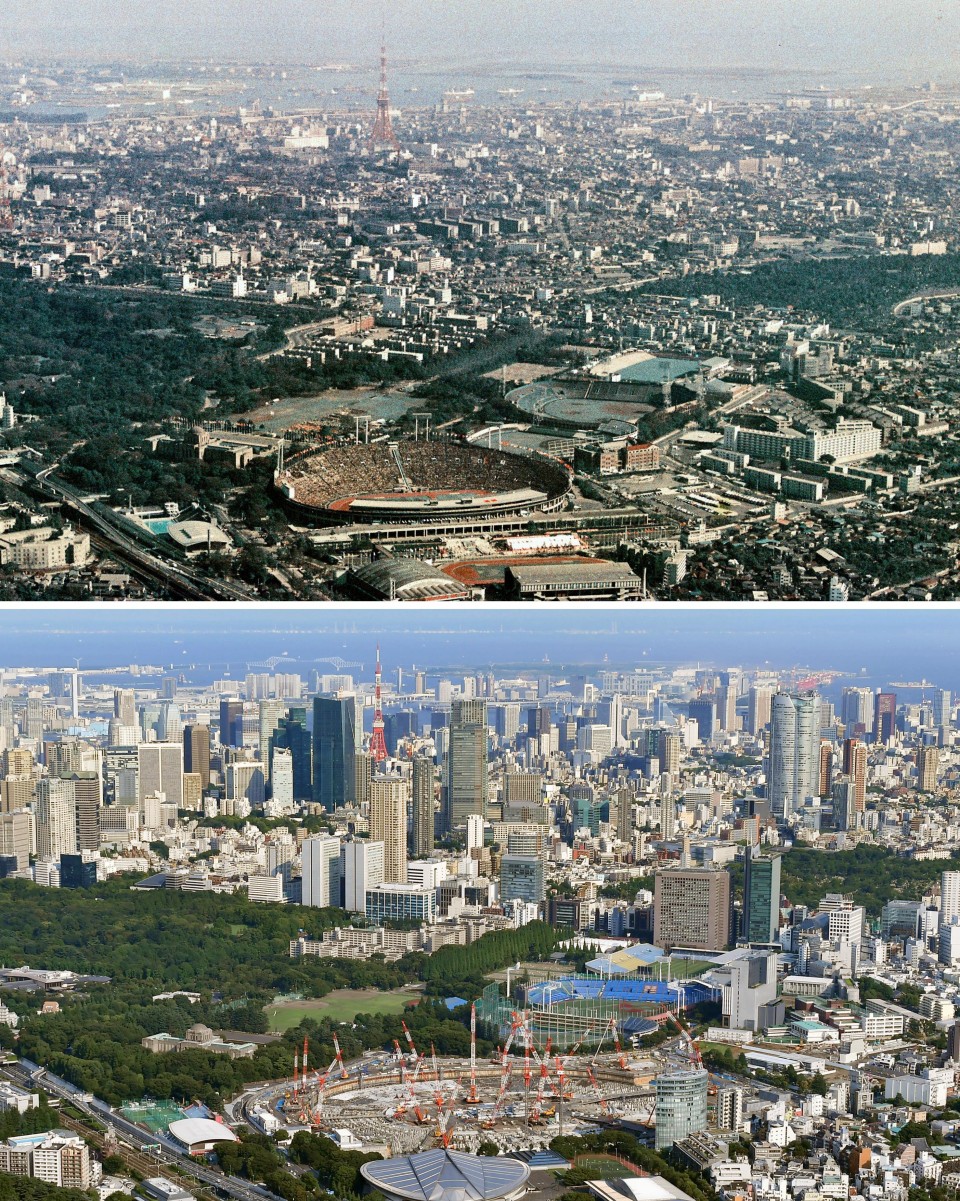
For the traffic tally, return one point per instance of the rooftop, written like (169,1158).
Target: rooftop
(444,1175)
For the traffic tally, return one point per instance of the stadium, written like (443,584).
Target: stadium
(420,483)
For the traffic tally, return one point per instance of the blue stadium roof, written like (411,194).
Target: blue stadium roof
(638,992)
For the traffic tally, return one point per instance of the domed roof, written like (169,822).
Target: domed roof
(444,1175)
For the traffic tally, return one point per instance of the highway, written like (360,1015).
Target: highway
(177,580)
(28,1074)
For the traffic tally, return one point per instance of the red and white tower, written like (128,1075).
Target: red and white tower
(382,136)
(378,744)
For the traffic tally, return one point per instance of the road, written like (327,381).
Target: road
(178,581)
(95,1111)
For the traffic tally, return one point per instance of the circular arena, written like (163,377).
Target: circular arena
(419,483)
(424,1102)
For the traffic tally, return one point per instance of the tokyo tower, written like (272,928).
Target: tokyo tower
(378,744)
(382,137)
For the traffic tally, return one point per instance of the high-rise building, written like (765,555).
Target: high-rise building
(668,817)
(269,715)
(825,773)
(855,768)
(124,706)
(730,1109)
(231,713)
(942,708)
(928,761)
(669,754)
(87,799)
(196,752)
(363,766)
(388,824)
(16,837)
(160,769)
(423,808)
(691,908)
(320,872)
(727,707)
(953,1042)
(466,777)
(856,711)
(56,818)
(704,712)
(949,897)
(334,747)
(246,781)
(885,717)
(281,781)
(292,735)
(681,1106)
(761,897)
(522,878)
(794,752)
(362,868)
(759,702)
(625,802)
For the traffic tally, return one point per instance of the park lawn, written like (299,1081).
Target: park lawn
(341,1005)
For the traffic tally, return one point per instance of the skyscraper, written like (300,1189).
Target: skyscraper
(794,752)
(362,867)
(885,717)
(949,897)
(691,908)
(56,818)
(320,871)
(466,783)
(124,706)
(231,712)
(669,753)
(196,752)
(292,735)
(761,897)
(388,824)
(759,701)
(928,761)
(681,1106)
(856,711)
(855,766)
(704,712)
(160,769)
(269,716)
(423,808)
(334,746)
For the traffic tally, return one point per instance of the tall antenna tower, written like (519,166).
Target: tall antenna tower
(378,744)
(382,137)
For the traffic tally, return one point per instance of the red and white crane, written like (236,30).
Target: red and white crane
(473,1096)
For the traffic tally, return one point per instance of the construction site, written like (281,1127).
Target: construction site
(520,1098)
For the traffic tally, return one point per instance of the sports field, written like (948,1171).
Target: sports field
(607,1167)
(341,1005)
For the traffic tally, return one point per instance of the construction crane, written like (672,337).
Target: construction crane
(409,1037)
(601,1100)
(473,1096)
(690,1042)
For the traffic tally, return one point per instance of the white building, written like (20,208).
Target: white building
(362,868)
(321,872)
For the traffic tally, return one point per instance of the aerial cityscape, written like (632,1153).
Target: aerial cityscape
(639,906)
(344,326)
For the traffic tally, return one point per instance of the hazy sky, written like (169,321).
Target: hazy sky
(916,36)
(889,642)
